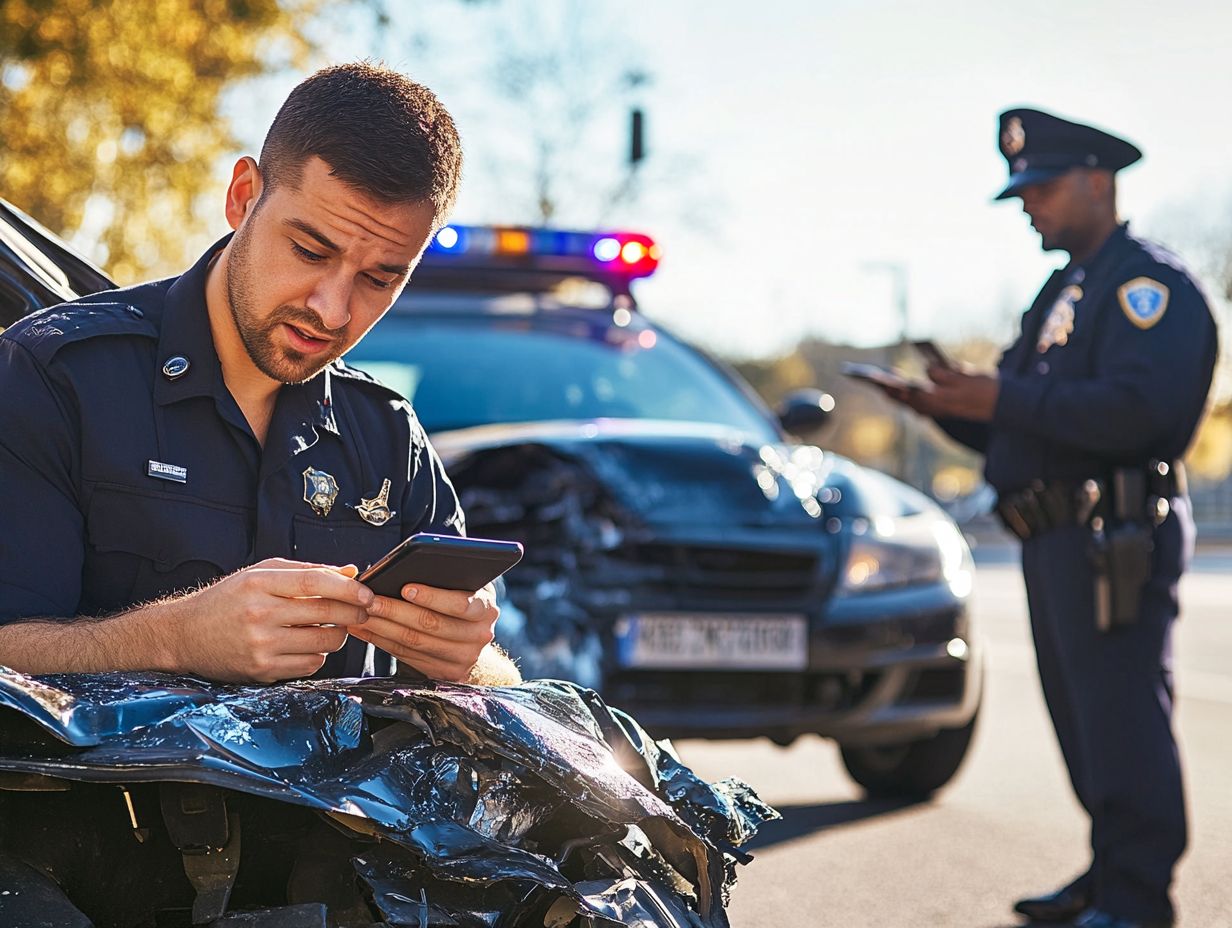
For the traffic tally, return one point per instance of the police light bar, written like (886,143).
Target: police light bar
(622,254)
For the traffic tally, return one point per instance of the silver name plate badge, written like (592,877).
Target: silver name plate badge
(172,472)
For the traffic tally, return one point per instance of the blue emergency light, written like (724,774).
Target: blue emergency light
(623,254)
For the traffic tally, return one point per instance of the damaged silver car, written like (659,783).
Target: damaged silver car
(685,557)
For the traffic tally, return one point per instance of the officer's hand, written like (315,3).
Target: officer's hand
(961,394)
(275,620)
(907,396)
(440,633)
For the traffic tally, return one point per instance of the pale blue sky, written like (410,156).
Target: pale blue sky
(809,139)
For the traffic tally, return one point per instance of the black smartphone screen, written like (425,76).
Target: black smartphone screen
(883,376)
(444,561)
(932,354)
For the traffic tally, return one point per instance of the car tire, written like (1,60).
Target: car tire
(909,770)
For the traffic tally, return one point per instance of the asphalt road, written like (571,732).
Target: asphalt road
(1008,825)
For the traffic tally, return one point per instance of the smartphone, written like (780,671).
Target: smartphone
(932,354)
(444,561)
(883,376)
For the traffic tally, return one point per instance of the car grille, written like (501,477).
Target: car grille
(933,685)
(723,689)
(697,577)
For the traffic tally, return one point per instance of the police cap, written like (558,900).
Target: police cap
(1039,146)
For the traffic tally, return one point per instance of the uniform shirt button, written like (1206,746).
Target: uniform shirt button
(1042,367)
(175,367)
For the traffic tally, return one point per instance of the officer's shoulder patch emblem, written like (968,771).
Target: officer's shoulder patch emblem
(1143,301)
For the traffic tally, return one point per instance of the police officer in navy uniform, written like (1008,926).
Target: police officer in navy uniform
(1082,428)
(190,472)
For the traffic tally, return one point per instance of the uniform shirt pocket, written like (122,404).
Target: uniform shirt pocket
(326,541)
(144,545)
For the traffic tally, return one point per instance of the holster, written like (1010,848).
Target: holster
(1123,538)
(1121,556)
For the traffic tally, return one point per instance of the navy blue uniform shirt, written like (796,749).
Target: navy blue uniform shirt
(122,484)
(1112,368)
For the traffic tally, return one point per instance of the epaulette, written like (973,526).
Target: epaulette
(1148,254)
(46,331)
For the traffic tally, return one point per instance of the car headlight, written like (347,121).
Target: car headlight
(906,551)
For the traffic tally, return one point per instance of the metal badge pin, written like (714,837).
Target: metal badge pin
(375,510)
(320,491)
(1059,325)
(175,367)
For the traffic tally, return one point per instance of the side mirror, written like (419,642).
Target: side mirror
(803,412)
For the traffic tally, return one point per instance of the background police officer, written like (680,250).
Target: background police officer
(1082,428)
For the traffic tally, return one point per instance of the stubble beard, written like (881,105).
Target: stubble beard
(283,364)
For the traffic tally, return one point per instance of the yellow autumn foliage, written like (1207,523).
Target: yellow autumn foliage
(114,106)
(1210,458)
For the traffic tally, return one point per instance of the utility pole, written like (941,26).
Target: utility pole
(637,142)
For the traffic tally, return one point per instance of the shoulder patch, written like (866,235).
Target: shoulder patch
(45,332)
(1143,300)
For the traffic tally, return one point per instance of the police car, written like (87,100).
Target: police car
(684,555)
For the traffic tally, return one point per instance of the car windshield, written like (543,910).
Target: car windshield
(476,370)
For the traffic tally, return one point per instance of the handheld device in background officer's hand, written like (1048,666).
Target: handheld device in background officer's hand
(932,354)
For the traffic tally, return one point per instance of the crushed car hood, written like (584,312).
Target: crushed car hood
(664,474)
(484,801)
(620,515)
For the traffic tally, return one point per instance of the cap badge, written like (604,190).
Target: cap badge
(1060,322)
(1143,301)
(1013,137)
(375,510)
(320,491)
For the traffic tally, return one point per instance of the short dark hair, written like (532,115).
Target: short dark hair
(378,131)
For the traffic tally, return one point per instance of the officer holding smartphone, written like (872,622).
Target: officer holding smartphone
(1082,427)
(191,472)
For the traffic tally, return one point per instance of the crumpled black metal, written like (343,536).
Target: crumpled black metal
(488,802)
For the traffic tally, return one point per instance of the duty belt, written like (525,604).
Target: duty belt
(1046,505)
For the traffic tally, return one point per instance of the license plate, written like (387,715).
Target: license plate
(711,641)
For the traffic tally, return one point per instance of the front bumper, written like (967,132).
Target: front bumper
(883,668)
